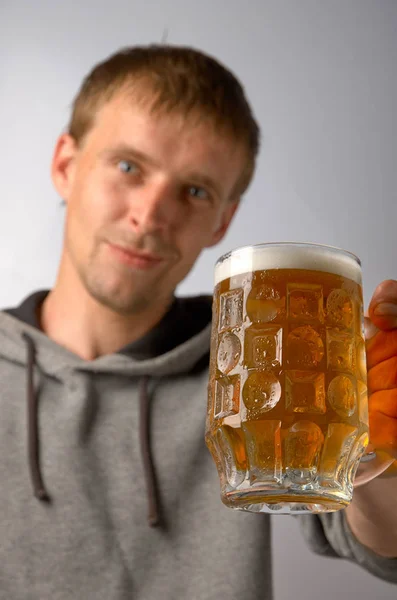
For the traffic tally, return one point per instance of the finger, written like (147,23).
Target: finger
(383,433)
(384,402)
(391,471)
(383,376)
(383,306)
(369,328)
(381,347)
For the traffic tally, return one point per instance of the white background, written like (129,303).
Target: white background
(322,78)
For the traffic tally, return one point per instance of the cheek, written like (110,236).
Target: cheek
(96,201)
(112,198)
(196,235)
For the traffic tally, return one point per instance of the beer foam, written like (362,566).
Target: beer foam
(287,255)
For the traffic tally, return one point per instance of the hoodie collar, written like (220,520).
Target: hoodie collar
(175,345)
(185,318)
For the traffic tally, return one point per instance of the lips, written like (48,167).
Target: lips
(135,258)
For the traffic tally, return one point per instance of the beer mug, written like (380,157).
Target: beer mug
(287,418)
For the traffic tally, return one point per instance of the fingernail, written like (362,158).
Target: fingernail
(386,308)
(370,329)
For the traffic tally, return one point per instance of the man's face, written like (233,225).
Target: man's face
(144,194)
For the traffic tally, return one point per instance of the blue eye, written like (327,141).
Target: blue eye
(198,192)
(127,167)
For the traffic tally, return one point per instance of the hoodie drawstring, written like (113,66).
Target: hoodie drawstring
(33,426)
(39,489)
(146,453)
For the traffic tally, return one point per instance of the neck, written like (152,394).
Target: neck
(76,321)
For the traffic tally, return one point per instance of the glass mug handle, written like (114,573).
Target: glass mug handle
(374,462)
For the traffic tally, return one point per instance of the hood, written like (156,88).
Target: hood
(25,345)
(53,359)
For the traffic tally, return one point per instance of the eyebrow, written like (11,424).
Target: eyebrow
(129,151)
(126,150)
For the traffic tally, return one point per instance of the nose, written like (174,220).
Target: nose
(154,208)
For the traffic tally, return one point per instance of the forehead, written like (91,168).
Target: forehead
(171,139)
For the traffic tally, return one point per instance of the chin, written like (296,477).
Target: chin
(123,306)
(126,304)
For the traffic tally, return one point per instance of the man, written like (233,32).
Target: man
(111,368)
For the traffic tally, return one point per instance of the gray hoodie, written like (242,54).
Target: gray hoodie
(108,491)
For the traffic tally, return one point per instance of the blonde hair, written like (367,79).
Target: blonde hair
(172,79)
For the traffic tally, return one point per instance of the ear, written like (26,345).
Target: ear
(226,219)
(62,166)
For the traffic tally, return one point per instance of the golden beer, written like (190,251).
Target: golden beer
(287,419)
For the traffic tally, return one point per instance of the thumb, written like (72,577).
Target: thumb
(383,306)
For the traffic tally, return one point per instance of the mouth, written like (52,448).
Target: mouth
(135,258)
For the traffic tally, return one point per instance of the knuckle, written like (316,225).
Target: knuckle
(388,285)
